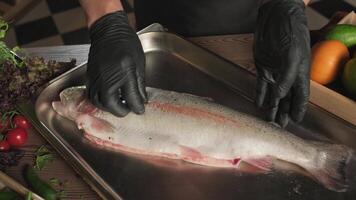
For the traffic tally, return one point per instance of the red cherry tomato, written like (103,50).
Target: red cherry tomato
(4,145)
(17,137)
(21,121)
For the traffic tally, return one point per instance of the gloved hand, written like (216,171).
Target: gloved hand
(116,66)
(282,58)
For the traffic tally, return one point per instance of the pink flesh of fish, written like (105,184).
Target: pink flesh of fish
(197,130)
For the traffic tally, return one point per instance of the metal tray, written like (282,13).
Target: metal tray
(176,64)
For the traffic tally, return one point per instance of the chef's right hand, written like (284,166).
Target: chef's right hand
(116,66)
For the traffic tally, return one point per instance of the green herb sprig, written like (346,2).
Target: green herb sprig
(43,157)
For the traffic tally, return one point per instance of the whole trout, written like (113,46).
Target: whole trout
(197,130)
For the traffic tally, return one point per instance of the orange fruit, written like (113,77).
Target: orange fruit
(349,77)
(328,58)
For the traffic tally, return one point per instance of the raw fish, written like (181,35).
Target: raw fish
(197,130)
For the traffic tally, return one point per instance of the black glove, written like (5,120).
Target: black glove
(282,58)
(116,66)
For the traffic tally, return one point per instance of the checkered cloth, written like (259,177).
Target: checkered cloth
(58,22)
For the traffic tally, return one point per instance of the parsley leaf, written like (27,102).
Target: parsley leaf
(43,157)
(55,182)
(62,194)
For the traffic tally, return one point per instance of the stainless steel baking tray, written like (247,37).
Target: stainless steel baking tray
(176,64)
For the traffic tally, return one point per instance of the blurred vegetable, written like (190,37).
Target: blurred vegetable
(29,196)
(349,77)
(318,35)
(3,28)
(55,182)
(39,186)
(62,194)
(328,58)
(9,195)
(344,33)
(5,52)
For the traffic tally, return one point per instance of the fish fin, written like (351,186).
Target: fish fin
(264,163)
(331,165)
(153,92)
(87,121)
(190,153)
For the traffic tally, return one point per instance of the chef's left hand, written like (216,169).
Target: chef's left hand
(282,58)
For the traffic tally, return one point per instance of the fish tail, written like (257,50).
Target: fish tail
(331,165)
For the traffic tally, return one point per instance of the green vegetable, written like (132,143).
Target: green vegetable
(6,55)
(39,186)
(9,195)
(42,150)
(3,28)
(5,52)
(345,33)
(55,182)
(29,196)
(62,194)
(21,76)
(42,160)
(43,157)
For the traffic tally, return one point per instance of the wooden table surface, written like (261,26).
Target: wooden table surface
(235,48)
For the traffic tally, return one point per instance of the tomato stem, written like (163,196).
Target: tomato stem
(9,116)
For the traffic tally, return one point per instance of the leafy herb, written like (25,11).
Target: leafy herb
(5,52)
(22,83)
(21,76)
(55,182)
(42,150)
(60,185)
(65,183)
(42,160)
(61,194)
(43,157)
(20,52)
(6,55)
(4,26)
